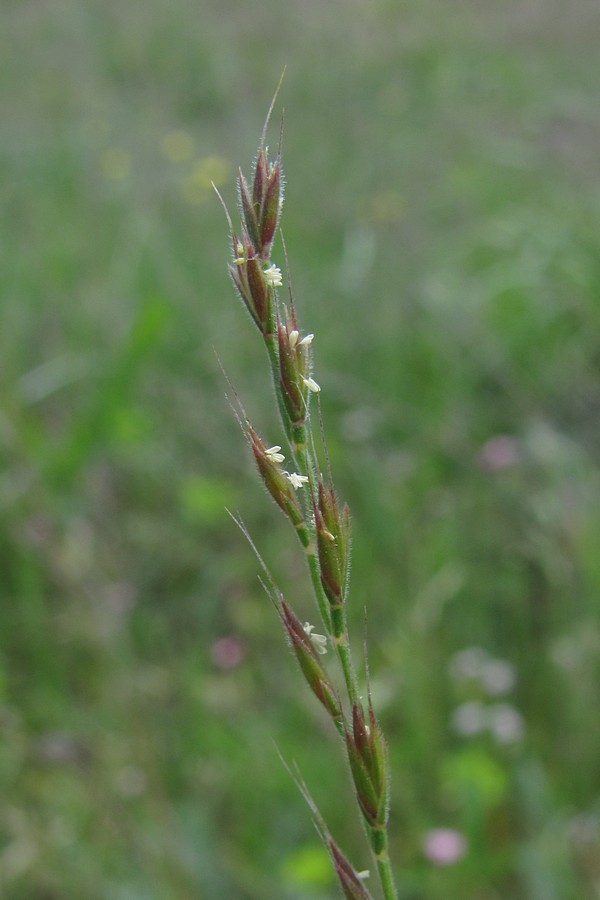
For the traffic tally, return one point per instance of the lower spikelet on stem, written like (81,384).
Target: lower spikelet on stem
(312,508)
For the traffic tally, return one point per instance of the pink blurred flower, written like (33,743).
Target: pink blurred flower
(444,846)
(227,652)
(499,452)
(584,828)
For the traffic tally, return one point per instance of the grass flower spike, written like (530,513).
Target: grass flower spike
(320,522)
(303,646)
(279,484)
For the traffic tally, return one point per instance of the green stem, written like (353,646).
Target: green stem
(315,578)
(342,647)
(386,877)
(379,845)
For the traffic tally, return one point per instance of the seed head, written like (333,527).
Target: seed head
(248,211)
(260,210)
(333,543)
(275,479)
(350,880)
(271,206)
(294,364)
(261,174)
(367,755)
(254,287)
(302,643)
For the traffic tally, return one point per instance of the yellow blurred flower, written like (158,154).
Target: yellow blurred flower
(115,163)
(385,208)
(177,146)
(196,186)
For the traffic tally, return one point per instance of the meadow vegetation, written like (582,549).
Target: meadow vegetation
(442,220)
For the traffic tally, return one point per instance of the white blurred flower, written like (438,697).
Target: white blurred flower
(467,663)
(469,719)
(583,828)
(497,677)
(506,723)
(566,653)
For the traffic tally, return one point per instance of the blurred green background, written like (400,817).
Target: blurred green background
(442,217)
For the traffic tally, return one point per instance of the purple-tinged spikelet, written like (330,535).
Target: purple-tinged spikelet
(333,539)
(304,651)
(275,479)
(367,755)
(351,885)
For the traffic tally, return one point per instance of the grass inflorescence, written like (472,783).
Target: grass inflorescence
(309,501)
